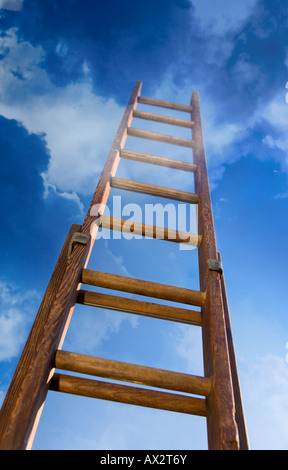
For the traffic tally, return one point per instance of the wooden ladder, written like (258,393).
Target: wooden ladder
(218,392)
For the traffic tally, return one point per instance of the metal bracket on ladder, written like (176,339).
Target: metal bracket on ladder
(215,265)
(77,237)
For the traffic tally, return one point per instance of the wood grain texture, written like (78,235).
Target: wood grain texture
(102,191)
(133,373)
(27,391)
(149,231)
(153,190)
(165,104)
(167,139)
(139,307)
(128,394)
(221,424)
(35,374)
(157,160)
(163,119)
(239,411)
(142,287)
(20,414)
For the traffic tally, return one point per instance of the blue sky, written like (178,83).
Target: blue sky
(67,70)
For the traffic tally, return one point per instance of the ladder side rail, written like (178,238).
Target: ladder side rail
(23,422)
(221,424)
(102,191)
(239,411)
(16,417)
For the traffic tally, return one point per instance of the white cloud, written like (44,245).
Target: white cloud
(91,327)
(79,126)
(15,5)
(216,135)
(264,388)
(11,295)
(268,140)
(264,384)
(275,112)
(73,425)
(222,16)
(283,195)
(220,138)
(15,318)
(72,196)
(12,324)
(189,347)
(117,261)
(20,74)
(246,72)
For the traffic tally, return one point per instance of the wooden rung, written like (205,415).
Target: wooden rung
(140,287)
(155,160)
(149,231)
(163,119)
(165,104)
(139,307)
(128,394)
(153,190)
(167,139)
(125,372)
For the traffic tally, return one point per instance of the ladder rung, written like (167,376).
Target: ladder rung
(153,190)
(140,287)
(163,119)
(155,160)
(165,104)
(149,231)
(168,139)
(128,394)
(125,372)
(139,307)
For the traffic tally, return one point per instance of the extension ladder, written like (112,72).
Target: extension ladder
(218,392)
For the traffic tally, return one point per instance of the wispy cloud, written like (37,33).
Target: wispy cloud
(222,16)
(72,196)
(76,123)
(264,384)
(189,347)
(90,328)
(15,5)
(15,318)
